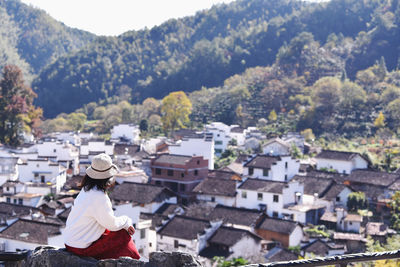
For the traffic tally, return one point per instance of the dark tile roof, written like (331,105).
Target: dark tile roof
(168,208)
(317,247)
(313,185)
(238,216)
(184,227)
(339,177)
(237,130)
(337,155)
(124,149)
(263,161)
(263,185)
(172,159)
(334,191)
(371,191)
(213,186)
(373,177)
(221,174)
(73,182)
(229,236)
(200,210)
(64,214)
(378,229)
(280,254)
(156,219)
(139,193)
(395,186)
(30,231)
(277,225)
(8,210)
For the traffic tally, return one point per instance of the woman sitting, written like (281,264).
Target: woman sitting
(92,230)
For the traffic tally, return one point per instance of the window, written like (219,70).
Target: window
(150,244)
(218,151)
(142,233)
(351,223)
(36,175)
(20,201)
(285,177)
(198,162)
(196,172)
(140,251)
(37,165)
(337,199)
(158,182)
(286,165)
(42,178)
(218,143)
(212,199)
(54,150)
(8,200)
(158,171)
(276,198)
(170,172)
(8,189)
(275,214)
(176,243)
(259,196)
(244,194)
(182,174)
(251,171)
(182,187)
(15,201)
(265,172)
(344,171)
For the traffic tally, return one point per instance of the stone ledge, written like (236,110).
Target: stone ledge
(46,256)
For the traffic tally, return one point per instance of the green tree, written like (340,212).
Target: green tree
(272,116)
(379,122)
(395,211)
(144,125)
(357,201)
(76,121)
(175,109)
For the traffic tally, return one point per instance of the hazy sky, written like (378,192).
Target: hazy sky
(113,17)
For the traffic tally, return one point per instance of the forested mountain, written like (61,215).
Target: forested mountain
(205,49)
(31,39)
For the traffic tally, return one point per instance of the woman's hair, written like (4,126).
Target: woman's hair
(89,183)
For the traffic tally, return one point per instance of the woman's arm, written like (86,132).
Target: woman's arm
(104,215)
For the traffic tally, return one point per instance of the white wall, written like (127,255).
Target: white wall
(223,200)
(128,131)
(276,148)
(97,146)
(246,248)
(252,201)
(195,147)
(278,172)
(296,236)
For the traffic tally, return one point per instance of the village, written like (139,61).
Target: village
(265,206)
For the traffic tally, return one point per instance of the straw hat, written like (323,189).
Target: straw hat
(101,167)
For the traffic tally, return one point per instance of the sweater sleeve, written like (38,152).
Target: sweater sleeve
(104,215)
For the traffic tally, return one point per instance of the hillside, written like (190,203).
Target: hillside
(31,39)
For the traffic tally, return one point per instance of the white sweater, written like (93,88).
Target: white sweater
(90,216)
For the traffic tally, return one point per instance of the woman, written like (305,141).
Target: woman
(92,230)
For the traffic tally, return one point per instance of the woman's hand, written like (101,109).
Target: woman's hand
(131,230)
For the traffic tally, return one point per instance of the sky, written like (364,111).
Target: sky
(113,17)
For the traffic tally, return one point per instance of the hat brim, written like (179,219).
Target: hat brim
(101,175)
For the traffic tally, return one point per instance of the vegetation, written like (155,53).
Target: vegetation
(357,201)
(221,262)
(175,110)
(17,114)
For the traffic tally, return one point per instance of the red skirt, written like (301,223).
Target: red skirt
(111,245)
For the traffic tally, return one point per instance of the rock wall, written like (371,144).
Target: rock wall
(46,256)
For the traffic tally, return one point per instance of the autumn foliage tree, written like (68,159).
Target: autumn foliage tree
(175,109)
(17,113)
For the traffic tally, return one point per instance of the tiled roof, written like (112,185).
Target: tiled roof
(30,231)
(337,155)
(378,229)
(353,218)
(277,225)
(229,236)
(277,140)
(213,186)
(317,247)
(184,227)
(238,216)
(200,210)
(156,219)
(371,191)
(334,191)
(329,217)
(12,210)
(313,185)
(173,159)
(348,236)
(237,130)
(64,214)
(139,193)
(168,208)
(263,161)
(123,149)
(73,182)
(280,254)
(261,185)
(221,174)
(373,177)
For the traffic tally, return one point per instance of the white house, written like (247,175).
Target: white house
(26,199)
(276,147)
(128,132)
(67,137)
(8,169)
(341,161)
(348,222)
(221,135)
(60,152)
(131,174)
(42,171)
(175,235)
(274,168)
(94,147)
(195,145)
(217,191)
(28,234)
(238,134)
(269,196)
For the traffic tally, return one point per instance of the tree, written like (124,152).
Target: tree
(17,113)
(380,121)
(272,116)
(144,125)
(175,109)
(395,211)
(357,201)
